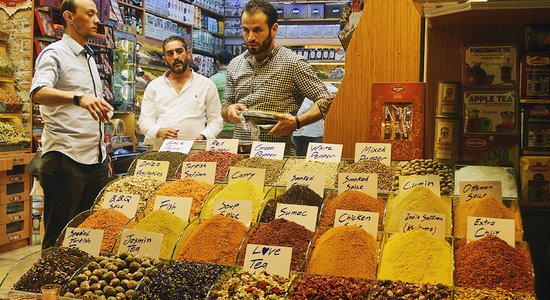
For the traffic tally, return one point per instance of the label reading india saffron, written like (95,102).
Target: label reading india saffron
(304,215)
(470,190)
(236,209)
(268,150)
(435,224)
(176,146)
(272,259)
(178,206)
(316,182)
(152,168)
(478,227)
(126,204)
(431,182)
(361,182)
(324,152)
(223,145)
(87,240)
(140,243)
(380,152)
(254,175)
(200,171)
(363,219)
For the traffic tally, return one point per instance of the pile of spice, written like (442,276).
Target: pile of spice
(296,194)
(244,285)
(351,200)
(282,233)
(272,167)
(417,256)
(215,240)
(223,161)
(57,266)
(385,173)
(487,207)
(490,263)
(110,221)
(419,199)
(387,289)
(330,287)
(143,186)
(112,277)
(164,222)
(487,173)
(180,280)
(498,294)
(242,190)
(174,158)
(426,167)
(346,251)
(185,188)
(328,169)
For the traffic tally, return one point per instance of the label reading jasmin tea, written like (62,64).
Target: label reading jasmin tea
(152,168)
(380,152)
(268,150)
(200,171)
(363,219)
(176,146)
(236,209)
(126,204)
(140,243)
(478,227)
(305,215)
(272,259)
(361,182)
(431,182)
(316,182)
(223,145)
(430,222)
(87,240)
(470,190)
(254,175)
(324,152)
(178,206)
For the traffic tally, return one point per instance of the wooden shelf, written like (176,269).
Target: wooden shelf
(131,5)
(213,33)
(327,62)
(308,41)
(331,20)
(209,12)
(435,8)
(198,51)
(168,18)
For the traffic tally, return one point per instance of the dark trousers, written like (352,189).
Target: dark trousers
(69,188)
(302,142)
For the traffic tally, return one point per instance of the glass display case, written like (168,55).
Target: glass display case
(124,71)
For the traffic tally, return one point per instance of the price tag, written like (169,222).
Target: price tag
(254,175)
(87,240)
(480,227)
(430,222)
(236,209)
(178,206)
(153,168)
(126,204)
(361,182)
(177,146)
(363,219)
(140,243)
(268,150)
(304,215)
(223,145)
(429,181)
(272,259)
(470,190)
(200,171)
(380,152)
(316,182)
(324,152)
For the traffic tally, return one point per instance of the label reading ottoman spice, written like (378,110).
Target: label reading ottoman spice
(470,190)
(304,215)
(362,182)
(178,206)
(200,171)
(380,152)
(480,227)
(126,204)
(272,259)
(140,243)
(236,209)
(362,219)
(87,240)
(430,222)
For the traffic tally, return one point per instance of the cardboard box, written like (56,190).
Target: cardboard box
(490,111)
(490,65)
(295,11)
(334,10)
(535,76)
(535,120)
(537,37)
(535,179)
(316,11)
(490,149)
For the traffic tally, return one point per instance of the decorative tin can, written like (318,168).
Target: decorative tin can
(448,99)
(447,139)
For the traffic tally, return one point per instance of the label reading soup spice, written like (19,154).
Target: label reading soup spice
(470,190)
(236,209)
(324,152)
(200,171)
(152,168)
(304,215)
(177,146)
(380,152)
(178,206)
(126,204)
(223,145)
(363,219)
(254,175)
(362,182)
(140,243)
(268,150)
(272,259)
(430,222)
(315,182)
(480,227)
(87,240)
(429,181)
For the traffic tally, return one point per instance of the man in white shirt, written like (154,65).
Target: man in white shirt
(180,104)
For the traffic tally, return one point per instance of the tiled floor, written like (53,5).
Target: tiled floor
(10,258)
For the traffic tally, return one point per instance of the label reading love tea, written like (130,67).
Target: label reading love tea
(272,259)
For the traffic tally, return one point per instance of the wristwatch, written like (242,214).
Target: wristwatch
(77,96)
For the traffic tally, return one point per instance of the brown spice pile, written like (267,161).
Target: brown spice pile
(223,161)
(296,194)
(330,287)
(352,200)
(187,187)
(110,221)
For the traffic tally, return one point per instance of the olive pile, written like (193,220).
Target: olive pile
(426,167)
(112,277)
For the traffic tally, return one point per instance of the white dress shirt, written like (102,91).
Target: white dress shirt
(195,110)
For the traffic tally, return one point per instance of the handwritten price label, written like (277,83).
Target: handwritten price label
(363,219)
(272,259)
(178,206)
(478,228)
(380,152)
(430,222)
(126,204)
(470,190)
(304,215)
(431,182)
(200,171)
(152,168)
(361,182)
(237,209)
(316,182)
(223,145)
(268,150)
(180,146)
(324,152)
(141,243)
(87,240)
(254,175)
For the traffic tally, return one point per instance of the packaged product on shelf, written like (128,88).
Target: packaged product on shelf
(488,173)
(316,11)
(535,179)
(110,221)
(447,140)
(490,65)
(295,11)
(448,99)
(535,76)
(489,149)
(296,194)
(537,37)
(426,167)
(334,10)
(493,111)
(408,290)
(351,200)
(311,286)
(535,128)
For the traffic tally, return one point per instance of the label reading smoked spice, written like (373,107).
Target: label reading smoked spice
(180,146)
(268,150)
(363,219)
(272,259)
(479,227)
(178,206)
(430,222)
(470,190)
(380,152)
(431,182)
(223,145)
(361,182)
(324,152)
(305,215)
(152,168)
(240,210)
(87,240)
(254,175)
(126,204)
(200,171)
(140,243)
(316,182)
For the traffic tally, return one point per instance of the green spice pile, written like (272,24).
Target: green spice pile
(272,167)
(296,194)
(244,285)
(385,173)
(174,158)
(139,185)
(330,287)
(387,289)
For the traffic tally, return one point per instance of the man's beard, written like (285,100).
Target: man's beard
(181,68)
(263,46)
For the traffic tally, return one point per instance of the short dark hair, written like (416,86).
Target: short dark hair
(224,57)
(67,5)
(174,38)
(255,6)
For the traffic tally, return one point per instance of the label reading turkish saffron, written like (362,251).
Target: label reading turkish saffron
(87,240)
(236,209)
(140,243)
(431,182)
(380,152)
(471,190)
(223,145)
(268,150)
(254,175)
(363,219)
(304,215)
(316,182)
(200,171)
(324,152)
(478,228)
(272,259)
(361,182)
(180,146)
(430,222)
(152,168)
(126,204)
(178,206)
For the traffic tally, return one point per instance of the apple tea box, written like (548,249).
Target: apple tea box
(490,111)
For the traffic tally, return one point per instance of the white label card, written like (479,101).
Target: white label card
(480,227)
(430,222)
(200,171)
(177,146)
(236,209)
(304,215)
(141,243)
(268,150)
(272,259)
(470,190)
(126,204)
(431,182)
(254,175)
(87,240)
(152,168)
(223,145)
(380,152)
(178,206)
(324,152)
(315,182)
(361,182)
(363,219)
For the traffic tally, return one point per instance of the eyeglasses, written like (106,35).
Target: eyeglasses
(178,51)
